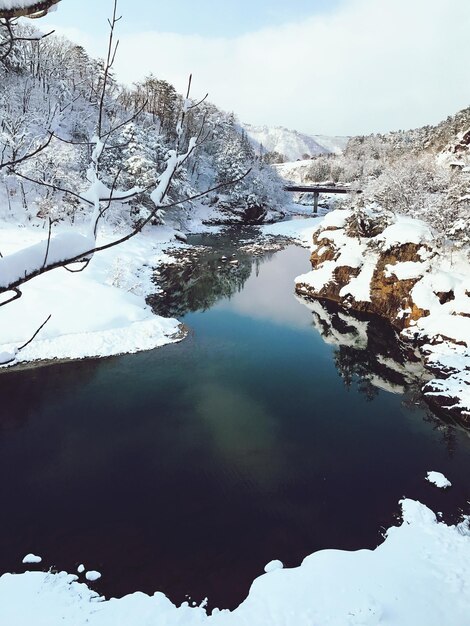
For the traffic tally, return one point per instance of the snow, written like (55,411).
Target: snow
(32,558)
(336,219)
(349,252)
(7,357)
(300,230)
(359,286)
(81,568)
(98,312)
(405,230)
(64,245)
(420,574)
(438,479)
(273,565)
(7,5)
(92,575)
(292,143)
(405,270)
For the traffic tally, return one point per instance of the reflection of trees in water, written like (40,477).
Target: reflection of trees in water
(370,355)
(198,285)
(369,352)
(196,282)
(353,370)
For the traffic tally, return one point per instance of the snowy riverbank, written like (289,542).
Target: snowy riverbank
(102,311)
(98,312)
(420,575)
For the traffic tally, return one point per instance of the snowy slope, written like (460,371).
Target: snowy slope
(291,143)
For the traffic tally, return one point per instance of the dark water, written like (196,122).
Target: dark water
(188,468)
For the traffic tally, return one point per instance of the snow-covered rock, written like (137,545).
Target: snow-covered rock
(391,267)
(31,558)
(438,479)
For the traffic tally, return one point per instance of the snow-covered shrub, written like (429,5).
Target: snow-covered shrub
(410,185)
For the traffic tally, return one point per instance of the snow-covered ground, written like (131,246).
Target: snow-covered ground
(419,576)
(300,230)
(98,312)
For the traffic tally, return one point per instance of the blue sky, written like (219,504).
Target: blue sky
(336,67)
(209,18)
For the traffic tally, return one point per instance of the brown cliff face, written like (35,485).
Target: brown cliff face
(390,298)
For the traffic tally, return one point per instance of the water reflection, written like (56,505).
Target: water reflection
(198,284)
(215,268)
(369,353)
(219,278)
(371,357)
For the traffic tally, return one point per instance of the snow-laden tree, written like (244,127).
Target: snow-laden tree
(97,197)
(77,147)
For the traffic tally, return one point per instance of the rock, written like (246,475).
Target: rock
(390,297)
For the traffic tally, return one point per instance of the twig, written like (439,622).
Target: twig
(48,243)
(35,334)
(29,155)
(17,295)
(108,65)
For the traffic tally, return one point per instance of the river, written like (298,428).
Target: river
(186,469)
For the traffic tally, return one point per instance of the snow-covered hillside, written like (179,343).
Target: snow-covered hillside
(291,143)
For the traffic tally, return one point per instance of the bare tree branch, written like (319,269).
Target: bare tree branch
(80,269)
(8,23)
(17,295)
(107,67)
(29,155)
(35,334)
(197,104)
(84,257)
(48,243)
(125,122)
(124,197)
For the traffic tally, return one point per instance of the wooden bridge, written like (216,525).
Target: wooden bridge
(318,189)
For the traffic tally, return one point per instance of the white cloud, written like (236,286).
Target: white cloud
(371,66)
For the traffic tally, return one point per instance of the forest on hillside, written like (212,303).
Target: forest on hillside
(54,99)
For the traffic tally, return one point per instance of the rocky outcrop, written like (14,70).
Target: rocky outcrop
(389,266)
(388,296)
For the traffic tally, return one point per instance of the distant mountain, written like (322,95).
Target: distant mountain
(291,143)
